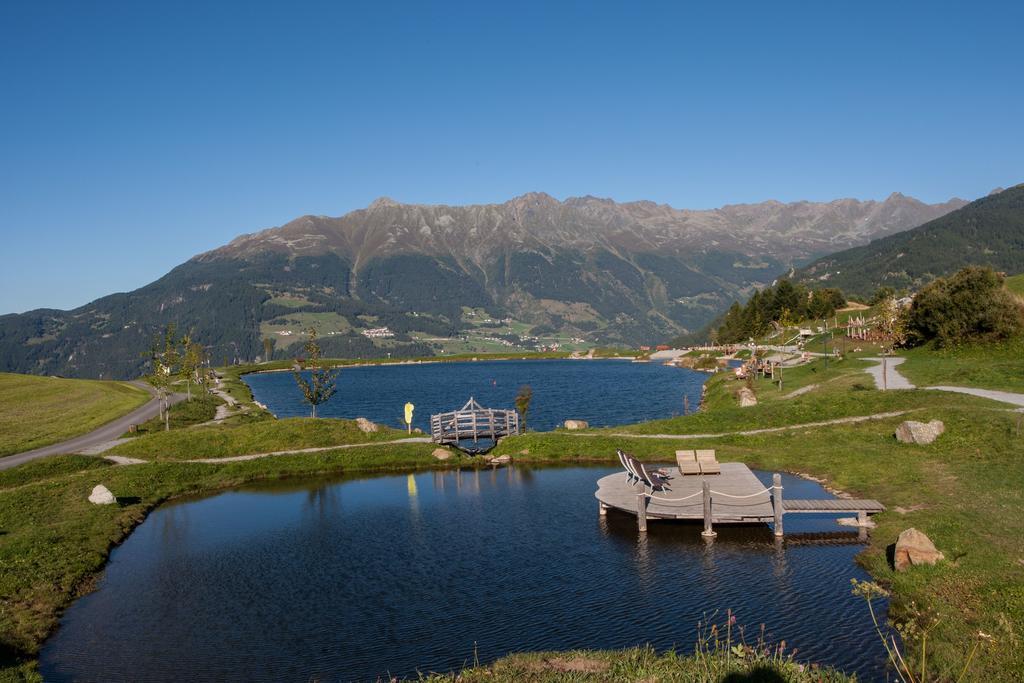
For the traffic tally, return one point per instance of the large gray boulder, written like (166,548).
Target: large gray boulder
(921,433)
(101,495)
(576,424)
(914,548)
(365,425)
(747,397)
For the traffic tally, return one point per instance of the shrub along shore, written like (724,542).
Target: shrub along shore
(964,491)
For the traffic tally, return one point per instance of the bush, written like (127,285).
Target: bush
(970,306)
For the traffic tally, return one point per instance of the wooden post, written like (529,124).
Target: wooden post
(777,502)
(641,511)
(602,509)
(708,530)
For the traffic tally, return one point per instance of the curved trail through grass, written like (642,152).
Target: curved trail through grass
(751,432)
(886,376)
(1002,396)
(124,460)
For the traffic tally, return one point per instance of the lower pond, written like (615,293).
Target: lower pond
(355,579)
(603,392)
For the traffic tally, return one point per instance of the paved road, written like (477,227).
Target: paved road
(107,432)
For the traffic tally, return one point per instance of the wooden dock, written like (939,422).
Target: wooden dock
(735,496)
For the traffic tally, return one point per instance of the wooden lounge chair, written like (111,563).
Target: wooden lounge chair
(655,481)
(631,476)
(649,477)
(708,463)
(687,463)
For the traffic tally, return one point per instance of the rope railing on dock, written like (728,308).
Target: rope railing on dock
(759,493)
(768,490)
(675,500)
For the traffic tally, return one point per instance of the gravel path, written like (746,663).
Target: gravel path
(886,376)
(299,451)
(894,380)
(1004,396)
(752,432)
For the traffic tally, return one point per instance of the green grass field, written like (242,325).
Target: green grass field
(966,491)
(986,366)
(38,411)
(1015,284)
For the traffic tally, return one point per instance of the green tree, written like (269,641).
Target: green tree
(321,384)
(523,399)
(163,358)
(971,305)
(881,294)
(192,359)
(268,349)
(892,321)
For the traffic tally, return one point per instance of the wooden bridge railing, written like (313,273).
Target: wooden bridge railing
(473,422)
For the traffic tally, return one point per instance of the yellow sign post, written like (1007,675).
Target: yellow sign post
(408,416)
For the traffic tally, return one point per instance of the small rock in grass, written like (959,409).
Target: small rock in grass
(101,495)
(747,398)
(365,425)
(921,433)
(914,548)
(442,453)
(576,424)
(501,460)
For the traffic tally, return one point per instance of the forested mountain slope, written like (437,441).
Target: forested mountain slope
(986,232)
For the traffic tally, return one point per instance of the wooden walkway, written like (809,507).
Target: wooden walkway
(735,496)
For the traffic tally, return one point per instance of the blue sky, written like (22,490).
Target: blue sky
(135,135)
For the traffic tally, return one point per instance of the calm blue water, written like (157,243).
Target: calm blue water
(603,392)
(353,579)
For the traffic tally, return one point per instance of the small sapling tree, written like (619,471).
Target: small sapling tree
(523,399)
(321,384)
(192,358)
(268,349)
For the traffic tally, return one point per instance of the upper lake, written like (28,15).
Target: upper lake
(603,392)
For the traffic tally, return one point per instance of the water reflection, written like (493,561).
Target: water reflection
(348,579)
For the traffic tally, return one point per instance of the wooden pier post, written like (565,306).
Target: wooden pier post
(641,511)
(777,502)
(602,509)
(708,530)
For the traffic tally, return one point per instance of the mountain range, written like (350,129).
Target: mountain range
(586,268)
(986,232)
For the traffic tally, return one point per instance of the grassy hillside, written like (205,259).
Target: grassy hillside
(986,232)
(38,411)
(964,491)
(1015,283)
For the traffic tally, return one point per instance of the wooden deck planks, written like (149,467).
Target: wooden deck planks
(736,479)
(832,505)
